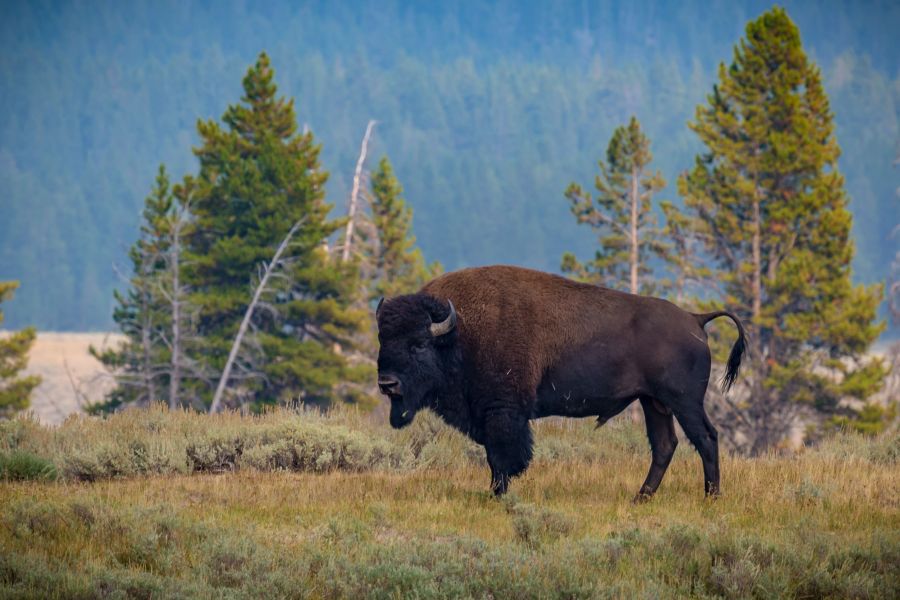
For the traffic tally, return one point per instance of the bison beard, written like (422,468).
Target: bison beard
(490,348)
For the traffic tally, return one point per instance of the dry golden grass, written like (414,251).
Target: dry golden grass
(823,523)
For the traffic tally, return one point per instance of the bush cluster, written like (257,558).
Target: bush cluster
(157,441)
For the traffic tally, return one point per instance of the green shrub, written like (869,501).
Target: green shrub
(881,449)
(215,453)
(534,525)
(25,466)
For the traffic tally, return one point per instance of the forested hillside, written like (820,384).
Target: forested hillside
(487,113)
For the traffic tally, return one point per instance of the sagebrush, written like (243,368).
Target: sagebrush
(159,504)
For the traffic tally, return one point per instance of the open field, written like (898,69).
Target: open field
(154,504)
(70,376)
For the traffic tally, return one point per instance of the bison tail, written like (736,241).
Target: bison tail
(737,351)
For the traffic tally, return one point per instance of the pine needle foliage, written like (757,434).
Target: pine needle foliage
(140,312)
(15,389)
(258,176)
(399,267)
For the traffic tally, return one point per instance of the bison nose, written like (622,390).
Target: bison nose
(389,385)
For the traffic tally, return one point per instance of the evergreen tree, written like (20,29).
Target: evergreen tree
(398,265)
(15,391)
(770,204)
(259,176)
(621,213)
(138,363)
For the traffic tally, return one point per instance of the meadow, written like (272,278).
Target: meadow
(296,504)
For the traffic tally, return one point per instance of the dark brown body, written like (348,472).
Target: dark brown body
(533,344)
(554,343)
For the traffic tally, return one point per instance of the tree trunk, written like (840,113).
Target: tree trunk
(175,258)
(147,347)
(756,284)
(635,197)
(149,383)
(759,399)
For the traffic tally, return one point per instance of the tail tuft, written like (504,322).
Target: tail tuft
(737,351)
(734,364)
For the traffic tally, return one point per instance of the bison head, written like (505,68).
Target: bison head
(417,337)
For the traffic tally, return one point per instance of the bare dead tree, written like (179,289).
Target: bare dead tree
(354,195)
(268,269)
(175,292)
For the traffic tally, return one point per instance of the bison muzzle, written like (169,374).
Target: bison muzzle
(490,348)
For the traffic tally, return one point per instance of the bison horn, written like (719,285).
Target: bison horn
(445,326)
(378,308)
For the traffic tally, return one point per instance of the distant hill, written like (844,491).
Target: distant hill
(488,111)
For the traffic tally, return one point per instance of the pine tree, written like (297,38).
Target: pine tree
(621,213)
(15,391)
(138,363)
(398,265)
(768,200)
(259,176)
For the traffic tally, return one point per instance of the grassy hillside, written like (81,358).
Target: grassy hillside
(299,505)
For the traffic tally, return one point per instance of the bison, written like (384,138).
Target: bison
(490,348)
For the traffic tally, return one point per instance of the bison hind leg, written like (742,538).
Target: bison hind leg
(509,447)
(663,441)
(705,439)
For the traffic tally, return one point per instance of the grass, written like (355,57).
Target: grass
(301,505)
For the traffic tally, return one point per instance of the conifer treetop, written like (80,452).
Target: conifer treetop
(261,110)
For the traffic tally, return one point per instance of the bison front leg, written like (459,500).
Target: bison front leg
(508,445)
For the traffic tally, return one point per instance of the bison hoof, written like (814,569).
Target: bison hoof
(642,498)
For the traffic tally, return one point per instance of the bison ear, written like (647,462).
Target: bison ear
(378,308)
(445,326)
